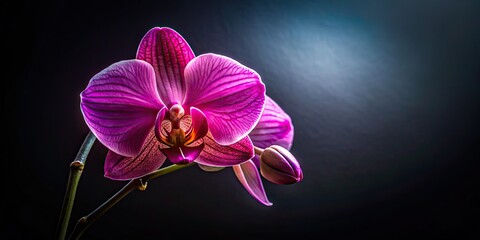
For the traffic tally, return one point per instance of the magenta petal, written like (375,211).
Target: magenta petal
(274,128)
(248,175)
(230,95)
(168,53)
(118,167)
(120,105)
(182,155)
(199,126)
(217,155)
(159,125)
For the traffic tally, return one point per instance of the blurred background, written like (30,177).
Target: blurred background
(384,96)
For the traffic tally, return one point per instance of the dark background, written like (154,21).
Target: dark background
(384,96)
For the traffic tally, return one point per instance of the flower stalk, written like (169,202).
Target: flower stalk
(258,151)
(137,183)
(76,170)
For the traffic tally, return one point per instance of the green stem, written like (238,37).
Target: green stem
(138,183)
(76,169)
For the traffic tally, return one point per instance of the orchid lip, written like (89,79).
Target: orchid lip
(182,155)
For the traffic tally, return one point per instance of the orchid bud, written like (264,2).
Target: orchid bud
(279,166)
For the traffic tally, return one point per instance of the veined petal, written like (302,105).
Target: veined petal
(168,53)
(274,128)
(248,175)
(118,167)
(229,94)
(120,105)
(217,155)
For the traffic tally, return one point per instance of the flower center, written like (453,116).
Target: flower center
(185,130)
(176,137)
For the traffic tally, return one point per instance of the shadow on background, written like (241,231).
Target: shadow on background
(384,98)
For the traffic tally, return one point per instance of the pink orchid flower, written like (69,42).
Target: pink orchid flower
(274,129)
(168,103)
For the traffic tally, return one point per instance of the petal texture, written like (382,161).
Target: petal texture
(118,167)
(217,155)
(248,175)
(274,128)
(120,105)
(168,53)
(230,95)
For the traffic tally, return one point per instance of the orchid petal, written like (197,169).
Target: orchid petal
(168,53)
(248,175)
(182,155)
(199,126)
(274,128)
(230,95)
(120,105)
(159,125)
(217,155)
(118,167)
